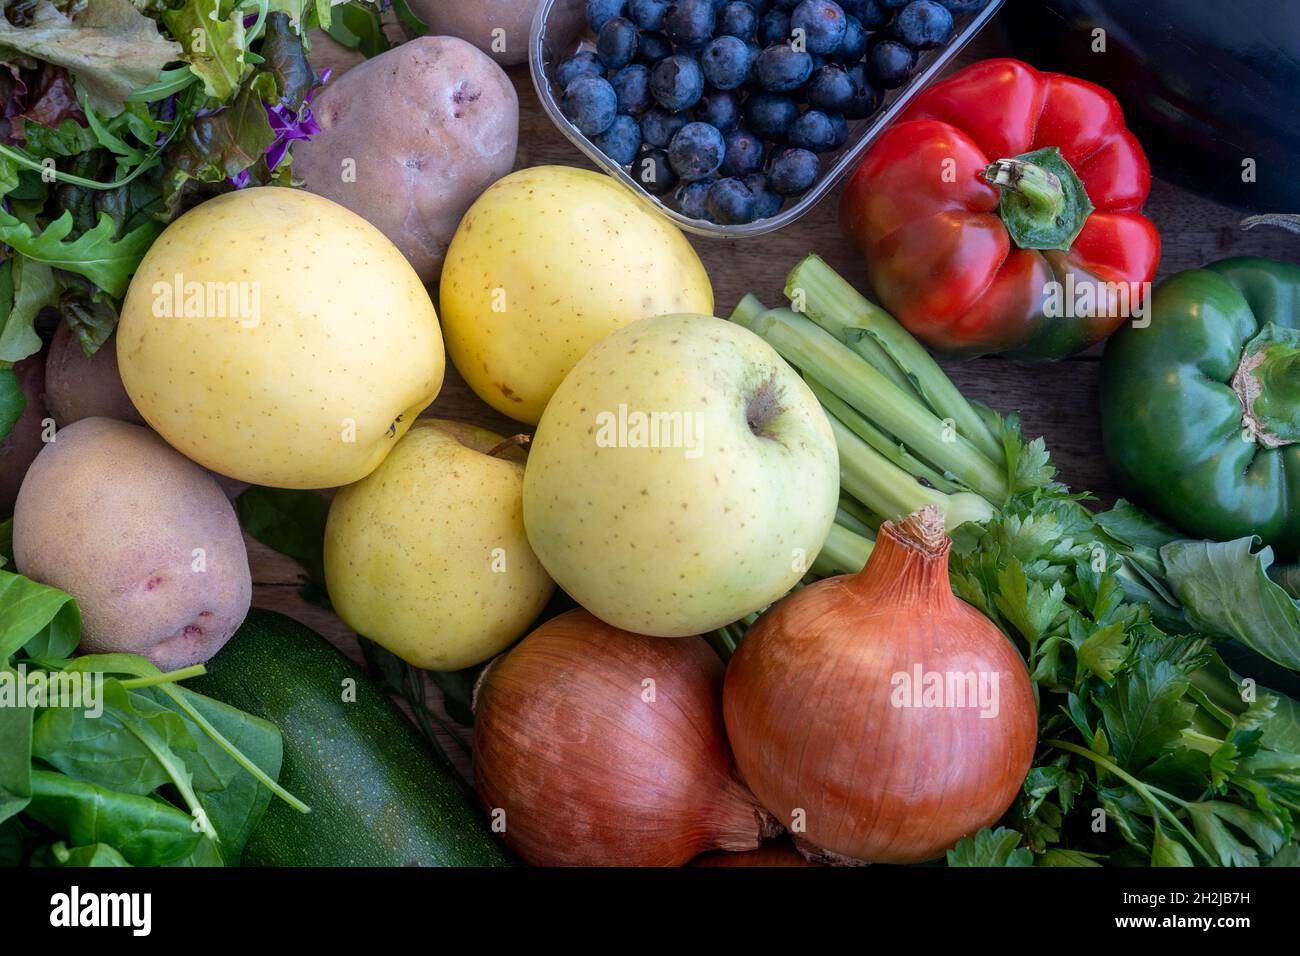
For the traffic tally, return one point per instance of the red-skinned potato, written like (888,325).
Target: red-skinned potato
(141,536)
(80,386)
(410,138)
(20,447)
(499,28)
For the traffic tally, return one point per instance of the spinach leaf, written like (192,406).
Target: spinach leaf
(292,523)
(12,401)
(232,799)
(15,754)
(58,854)
(146,831)
(29,611)
(1225,589)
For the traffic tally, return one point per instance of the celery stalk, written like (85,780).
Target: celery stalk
(846,519)
(810,348)
(843,553)
(861,514)
(747,309)
(868,329)
(877,439)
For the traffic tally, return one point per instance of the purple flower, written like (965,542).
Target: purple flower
(289,125)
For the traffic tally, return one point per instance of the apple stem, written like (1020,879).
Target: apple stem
(514,441)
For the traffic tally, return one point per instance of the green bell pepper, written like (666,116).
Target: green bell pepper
(1201,408)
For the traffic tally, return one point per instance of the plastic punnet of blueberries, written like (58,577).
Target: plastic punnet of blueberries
(723,108)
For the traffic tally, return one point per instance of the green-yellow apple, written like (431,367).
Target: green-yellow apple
(681,477)
(275,337)
(427,555)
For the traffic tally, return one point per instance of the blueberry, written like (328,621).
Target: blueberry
(652,171)
(822,23)
(744,153)
(696,151)
(962,6)
(725,62)
(872,13)
(786,5)
(781,68)
(866,98)
(854,45)
(830,89)
(719,108)
(792,171)
(659,126)
(600,12)
(770,114)
(923,25)
(841,127)
(632,87)
(766,203)
(890,63)
(737,19)
(651,47)
(580,64)
(895,4)
(621,141)
(690,22)
(647,14)
(590,104)
(813,131)
(677,82)
(616,43)
(730,202)
(774,27)
(692,199)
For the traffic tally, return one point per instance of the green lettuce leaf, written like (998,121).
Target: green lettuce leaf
(1225,589)
(108,46)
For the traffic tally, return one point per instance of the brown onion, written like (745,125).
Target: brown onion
(597,747)
(828,732)
(777,853)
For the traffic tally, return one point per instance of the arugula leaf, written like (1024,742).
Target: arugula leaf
(98,255)
(990,848)
(1225,589)
(110,47)
(145,831)
(12,401)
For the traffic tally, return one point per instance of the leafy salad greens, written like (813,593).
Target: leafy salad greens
(107,761)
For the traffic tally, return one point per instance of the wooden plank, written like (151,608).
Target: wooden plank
(1056,400)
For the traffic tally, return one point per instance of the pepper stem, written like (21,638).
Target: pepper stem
(1267,383)
(1044,204)
(1037,190)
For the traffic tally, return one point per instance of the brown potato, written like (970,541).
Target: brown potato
(410,138)
(20,447)
(499,28)
(80,386)
(140,536)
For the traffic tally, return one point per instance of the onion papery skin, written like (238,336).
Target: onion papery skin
(809,714)
(589,772)
(778,853)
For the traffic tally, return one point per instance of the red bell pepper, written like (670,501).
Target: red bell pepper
(1002,214)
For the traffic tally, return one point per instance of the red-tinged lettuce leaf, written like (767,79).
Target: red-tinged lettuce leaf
(222,145)
(109,47)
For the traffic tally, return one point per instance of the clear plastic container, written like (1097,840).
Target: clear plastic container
(560,30)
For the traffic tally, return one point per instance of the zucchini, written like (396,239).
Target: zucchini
(378,795)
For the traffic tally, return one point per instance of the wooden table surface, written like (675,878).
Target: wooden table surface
(1056,400)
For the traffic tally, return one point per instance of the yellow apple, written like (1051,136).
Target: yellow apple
(682,477)
(546,263)
(428,555)
(275,337)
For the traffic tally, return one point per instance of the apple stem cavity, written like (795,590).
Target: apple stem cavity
(762,408)
(514,441)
